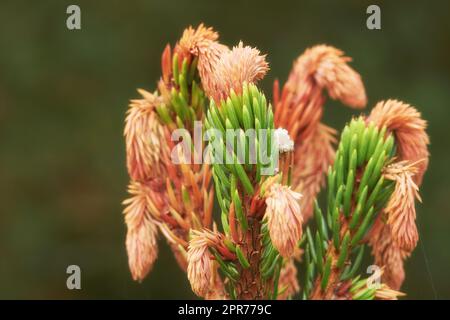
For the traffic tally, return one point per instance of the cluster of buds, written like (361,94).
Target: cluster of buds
(262,170)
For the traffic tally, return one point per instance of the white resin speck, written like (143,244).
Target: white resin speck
(283,140)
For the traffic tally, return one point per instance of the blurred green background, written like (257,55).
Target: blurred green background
(63,96)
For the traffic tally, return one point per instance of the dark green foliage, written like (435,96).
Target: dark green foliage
(242,149)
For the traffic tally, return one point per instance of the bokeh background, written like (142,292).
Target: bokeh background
(63,96)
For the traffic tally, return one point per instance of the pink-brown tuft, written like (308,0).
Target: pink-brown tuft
(143,135)
(409,129)
(401,209)
(202,43)
(141,240)
(194,41)
(199,268)
(333,73)
(236,67)
(284,218)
